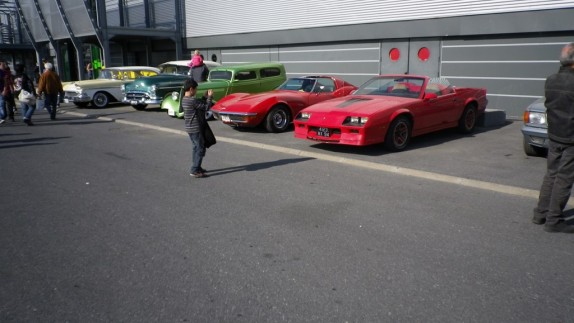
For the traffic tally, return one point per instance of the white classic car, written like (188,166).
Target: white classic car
(106,88)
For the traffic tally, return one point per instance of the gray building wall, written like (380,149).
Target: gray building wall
(508,53)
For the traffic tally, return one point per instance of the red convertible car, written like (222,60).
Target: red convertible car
(275,109)
(391,109)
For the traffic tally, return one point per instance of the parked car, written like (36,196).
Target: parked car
(275,109)
(391,109)
(535,129)
(106,88)
(152,90)
(225,80)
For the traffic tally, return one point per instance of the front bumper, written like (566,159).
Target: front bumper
(353,136)
(244,119)
(76,97)
(535,136)
(138,98)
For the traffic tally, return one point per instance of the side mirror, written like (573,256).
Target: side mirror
(430,96)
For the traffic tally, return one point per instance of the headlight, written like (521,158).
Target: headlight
(535,117)
(174,96)
(355,121)
(123,88)
(152,89)
(304,116)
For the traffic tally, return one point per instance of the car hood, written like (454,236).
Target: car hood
(360,104)
(213,84)
(537,106)
(275,94)
(92,84)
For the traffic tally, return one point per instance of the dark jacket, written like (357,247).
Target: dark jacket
(559,92)
(199,73)
(194,112)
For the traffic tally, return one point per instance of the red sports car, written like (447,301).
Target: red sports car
(391,109)
(275,109)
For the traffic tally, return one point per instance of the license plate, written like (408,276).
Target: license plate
(134,102)
(66,101)
(225,119)
(323,132)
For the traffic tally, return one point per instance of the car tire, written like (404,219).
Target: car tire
(81,104)
(467,121)
(533,151)
(398,134)
(139,107)
(100,100)
(278,119)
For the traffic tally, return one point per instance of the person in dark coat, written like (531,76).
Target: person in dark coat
(557,183)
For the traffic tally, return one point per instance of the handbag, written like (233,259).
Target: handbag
(208,136)
(26,97)
(39,104)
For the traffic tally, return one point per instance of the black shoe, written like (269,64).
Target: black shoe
(538,220)
(198,175)
(560,226)
(202,170)
(12,119)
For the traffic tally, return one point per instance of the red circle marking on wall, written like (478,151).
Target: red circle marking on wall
(424,54)
(394,54)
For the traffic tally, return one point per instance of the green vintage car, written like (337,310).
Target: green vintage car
(224,80)
(152,90)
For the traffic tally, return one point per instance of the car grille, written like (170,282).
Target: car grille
(136,96)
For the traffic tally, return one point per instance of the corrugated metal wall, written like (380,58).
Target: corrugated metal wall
(354,62)
(219,17)
(513,70)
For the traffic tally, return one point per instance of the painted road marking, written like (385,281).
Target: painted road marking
(487,186)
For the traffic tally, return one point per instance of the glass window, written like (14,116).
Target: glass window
(245,75)
(270,71)
(326,85)
(220,75)
(407,87)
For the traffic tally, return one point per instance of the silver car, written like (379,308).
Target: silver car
(535,129)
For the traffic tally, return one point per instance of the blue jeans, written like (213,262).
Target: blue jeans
(198,151)
(557,183)
(27,110)
(2,107)
(50,103)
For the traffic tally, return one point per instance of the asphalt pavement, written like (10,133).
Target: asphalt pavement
(102,223)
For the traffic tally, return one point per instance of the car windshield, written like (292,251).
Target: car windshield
(298,84)
(403,86)
(111,74)
(220,75)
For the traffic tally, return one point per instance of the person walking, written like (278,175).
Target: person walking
(50,85)
(2,83)
(194,116)
(24,83)
(8,93)
(89,71)
(557,183)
